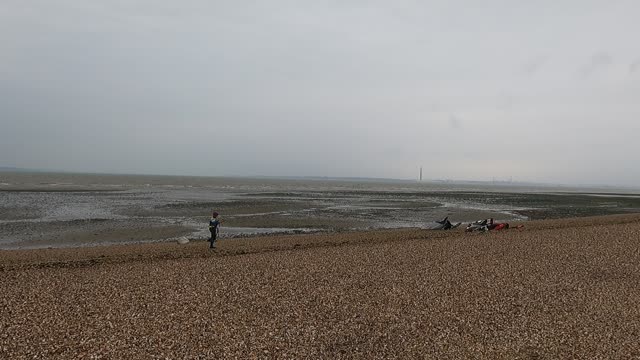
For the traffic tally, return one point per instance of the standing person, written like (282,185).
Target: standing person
(213,228)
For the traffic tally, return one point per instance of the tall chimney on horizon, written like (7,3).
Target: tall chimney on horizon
(420,173)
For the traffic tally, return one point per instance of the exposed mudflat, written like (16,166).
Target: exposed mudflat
(40,210)
(556,289)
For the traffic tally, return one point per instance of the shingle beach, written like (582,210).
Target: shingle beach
(554,290)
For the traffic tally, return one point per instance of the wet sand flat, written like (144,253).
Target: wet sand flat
(557,289)
(41,210)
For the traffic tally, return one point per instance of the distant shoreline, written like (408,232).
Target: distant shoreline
(484,183)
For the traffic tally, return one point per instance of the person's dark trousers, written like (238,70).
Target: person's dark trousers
(212,241)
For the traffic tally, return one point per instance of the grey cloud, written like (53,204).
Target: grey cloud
(534,65)
(596,62)
(455,122)
(634,66)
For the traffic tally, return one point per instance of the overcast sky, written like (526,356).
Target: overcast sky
(544,91)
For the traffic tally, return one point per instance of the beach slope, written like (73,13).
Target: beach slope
(557,289)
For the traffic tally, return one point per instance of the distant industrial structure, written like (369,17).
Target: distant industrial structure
(420,173)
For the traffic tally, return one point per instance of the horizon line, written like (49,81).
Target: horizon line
(514,183)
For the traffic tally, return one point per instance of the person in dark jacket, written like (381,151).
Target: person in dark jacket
(214,223)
